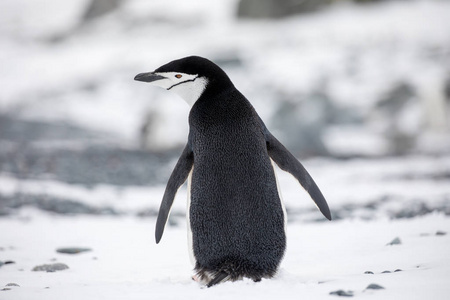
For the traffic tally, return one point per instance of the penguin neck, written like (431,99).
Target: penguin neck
(192,91)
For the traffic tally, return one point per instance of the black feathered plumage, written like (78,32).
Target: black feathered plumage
(235,212)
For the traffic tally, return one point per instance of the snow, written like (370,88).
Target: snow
(321,256)
(353,53)
(53,68)
(126,262)
(392,184)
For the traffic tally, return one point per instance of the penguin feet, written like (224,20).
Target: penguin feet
(203,278)
(196,278)
(220,277)
(210,279)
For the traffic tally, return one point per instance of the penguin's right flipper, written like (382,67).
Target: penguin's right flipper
(177,178)
(287,162)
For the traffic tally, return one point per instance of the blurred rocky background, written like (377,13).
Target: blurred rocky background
(334,80)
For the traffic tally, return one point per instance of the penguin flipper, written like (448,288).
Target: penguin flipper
(287,162)
(177,178)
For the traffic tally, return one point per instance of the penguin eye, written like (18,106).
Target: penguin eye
(178,76)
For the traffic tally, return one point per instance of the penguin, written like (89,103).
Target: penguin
(236,219)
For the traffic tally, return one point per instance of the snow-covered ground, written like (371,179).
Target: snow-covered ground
(363,189)
(71,173)
(374,202)
(125,262)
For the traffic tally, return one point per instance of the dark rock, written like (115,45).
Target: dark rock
(409,209)
(418,208)
(173,222)
(5,289)
(7,262)
(396,98)
(147,213)
(395,241)
(99,159)
(342,293)
(260,9)
(398,270)
(386,272)
(393,104)
(14,129)
(53,204)
(441,233)
(367,1)
(72,250)
(374,286)
(98,8)
(88,166)
(301,124)
(13,284)
(368,272)
(51,268)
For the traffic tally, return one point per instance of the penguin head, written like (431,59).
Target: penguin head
(190,77)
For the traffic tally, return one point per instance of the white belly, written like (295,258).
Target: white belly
(279,196)
(189,229)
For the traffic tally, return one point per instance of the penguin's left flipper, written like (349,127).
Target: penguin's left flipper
(287,162)
(179,175)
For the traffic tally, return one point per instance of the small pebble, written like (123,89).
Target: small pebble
(13,284)
(398,270)
(368,272)
(342,293)
(72,250)
(395,241)
(441,233)
(374,286)
(385,272)
(5,289)
(7,262)
(51,268)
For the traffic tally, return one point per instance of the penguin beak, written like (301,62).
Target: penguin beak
(148,77)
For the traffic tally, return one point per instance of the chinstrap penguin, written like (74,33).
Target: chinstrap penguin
(236,220)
